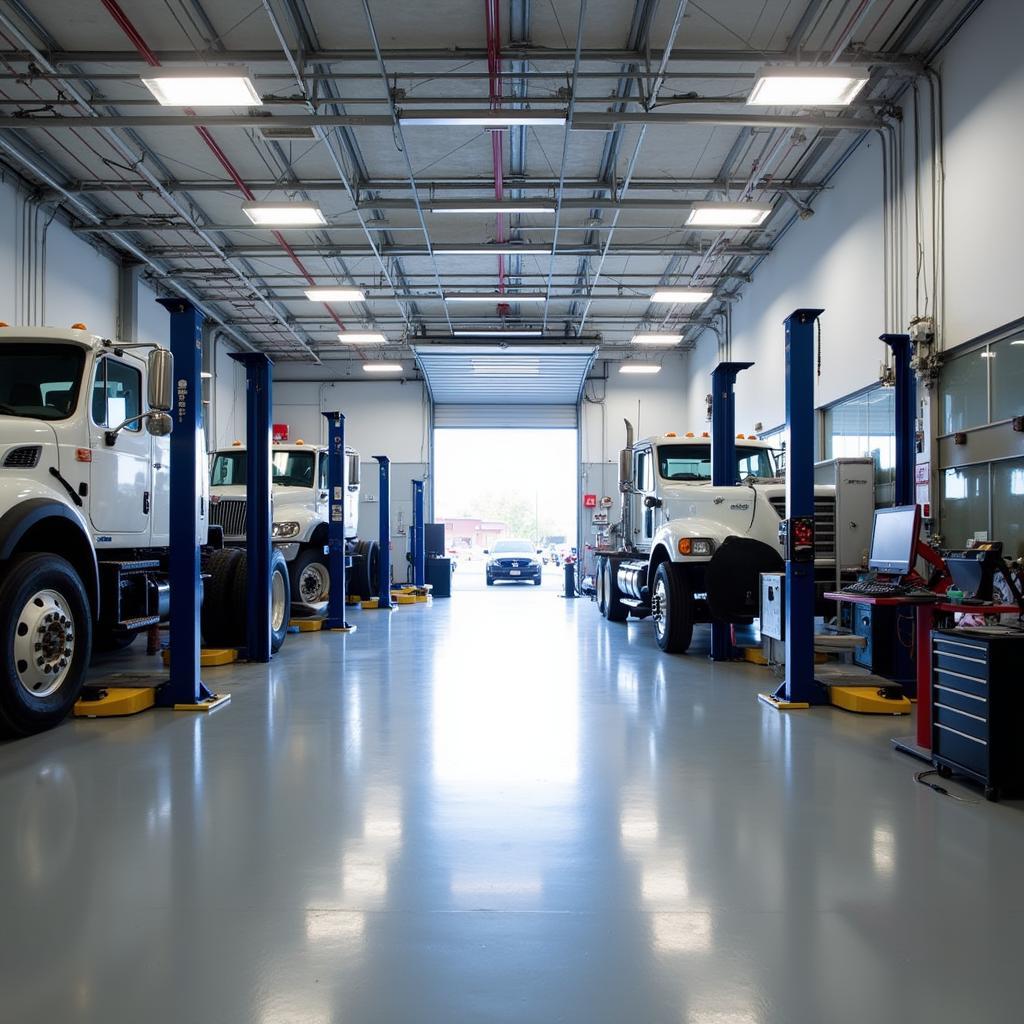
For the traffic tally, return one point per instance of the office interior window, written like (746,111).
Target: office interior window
(1006,365)
(864,425)
(963,391)
(1008,505)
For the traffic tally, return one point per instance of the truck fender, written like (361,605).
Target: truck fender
(669,534)
(71,540)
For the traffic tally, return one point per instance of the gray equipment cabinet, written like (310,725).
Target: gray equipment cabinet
(854,481)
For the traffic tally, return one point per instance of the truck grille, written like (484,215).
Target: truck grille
(25,457)
(229,514)
(824,523)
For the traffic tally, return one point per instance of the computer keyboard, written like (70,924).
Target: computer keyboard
(882,588)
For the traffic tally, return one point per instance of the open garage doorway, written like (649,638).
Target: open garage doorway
(508,500)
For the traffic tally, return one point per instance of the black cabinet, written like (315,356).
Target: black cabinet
(439,576)
(978,707)
(888,632)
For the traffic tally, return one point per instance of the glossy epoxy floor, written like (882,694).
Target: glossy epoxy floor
(498,809)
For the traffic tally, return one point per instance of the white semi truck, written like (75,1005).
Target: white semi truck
(687,552)
(300,509)
(85,517)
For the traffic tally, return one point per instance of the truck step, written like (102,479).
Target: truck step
(142,622)
(632,602)
(128,568)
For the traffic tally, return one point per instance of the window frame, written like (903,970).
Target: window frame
(101,363)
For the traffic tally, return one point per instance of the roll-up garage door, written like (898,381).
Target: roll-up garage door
(505,386)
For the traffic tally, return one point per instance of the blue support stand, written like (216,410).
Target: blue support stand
(185,690)
(723,466)
(419,554)
(337,557)
(800,688)
(906,416)
(258,510)
(384,512)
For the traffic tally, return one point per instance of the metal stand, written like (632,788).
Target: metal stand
(800,689)
(384,527)
(185,690)
(258,510)
(723,466)
(906,400)
(337,559)
(419,554)
(570,579)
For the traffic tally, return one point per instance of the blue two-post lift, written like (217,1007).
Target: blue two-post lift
(338,560)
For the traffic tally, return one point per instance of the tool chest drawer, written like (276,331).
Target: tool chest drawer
(977,704)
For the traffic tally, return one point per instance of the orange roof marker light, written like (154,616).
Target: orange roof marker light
(3,324)
(671,433)
(751,437)
(236,444)
(299,441)
(79,327)
(690,433)
(705,434)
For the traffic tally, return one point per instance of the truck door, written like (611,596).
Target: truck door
(120,496)
(643,517)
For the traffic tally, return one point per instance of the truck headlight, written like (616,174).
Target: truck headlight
(698,546)
(281,531)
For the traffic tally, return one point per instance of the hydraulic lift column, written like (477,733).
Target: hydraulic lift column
(800,688)
(906,432)
(185,690)
(258,510)
(337,557)
(384,513)
(723,465)
(419,554)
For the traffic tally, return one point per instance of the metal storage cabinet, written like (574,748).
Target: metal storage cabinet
(978,707)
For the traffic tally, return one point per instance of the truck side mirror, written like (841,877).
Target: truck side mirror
(161,380)
(353,471)
(159,424)
(625,469)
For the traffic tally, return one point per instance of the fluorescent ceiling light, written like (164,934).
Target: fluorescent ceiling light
(988,355)
(807,87)
(655,338)
(335,295)
(362,338)
(493,208)
(496,297)
(639,368)
(382,367)
(674,295)
(284,215)
(472,119)
(509,333)
(202,87)
(728,215)
(1019,341)
(495,250)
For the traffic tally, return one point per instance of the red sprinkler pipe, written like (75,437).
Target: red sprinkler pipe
(135,37)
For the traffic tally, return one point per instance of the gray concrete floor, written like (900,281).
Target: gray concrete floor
(498,809)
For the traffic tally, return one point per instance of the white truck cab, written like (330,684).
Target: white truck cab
(687,551)
(85,514)
(300,502)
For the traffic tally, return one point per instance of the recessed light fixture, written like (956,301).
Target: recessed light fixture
(807,87)
(472,119)
(674,295)
(335,295)
(382,367)
(495,297)
(494,250)
(656,338)
(639,368)
(1017,341)
(728,215)
(206,375)
(362,338)
(492,208)
(511,332)
(202,87)
(284,215)
(988,355)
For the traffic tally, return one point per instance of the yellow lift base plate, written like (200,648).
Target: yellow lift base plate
(209,657)
(116,702)
(866,700)
(782,705)
(372,604)
(401,598)
(340,629)
(307,625)
(210,704)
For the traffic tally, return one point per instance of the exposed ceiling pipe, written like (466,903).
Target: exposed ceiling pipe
(493,18)
(135,37)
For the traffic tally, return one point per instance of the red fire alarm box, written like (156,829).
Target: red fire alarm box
(280,432)
(590,501)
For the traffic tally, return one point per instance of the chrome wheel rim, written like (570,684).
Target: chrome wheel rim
(278,601)
(659,607)
(314,583)
(44,643)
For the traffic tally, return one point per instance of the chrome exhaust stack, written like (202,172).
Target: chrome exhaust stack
(626,488)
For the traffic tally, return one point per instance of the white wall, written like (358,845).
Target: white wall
(80,282)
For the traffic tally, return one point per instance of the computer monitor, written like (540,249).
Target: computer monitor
(894,539)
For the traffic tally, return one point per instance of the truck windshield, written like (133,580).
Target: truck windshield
(40,381)
(693,462)
(289,469)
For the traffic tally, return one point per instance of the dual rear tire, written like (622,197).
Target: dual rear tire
(224,616)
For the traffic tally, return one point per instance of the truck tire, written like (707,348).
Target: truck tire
(365,569)
(216,616)
(601,586)
(280,601)
(615,610)
(46,637)
(672,609)
(311,580)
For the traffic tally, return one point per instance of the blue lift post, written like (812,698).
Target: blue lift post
(906,416)
(800,689)
(384,514)
(419,554)
(258,511)
(723,466)
(185,690)
(337,558)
